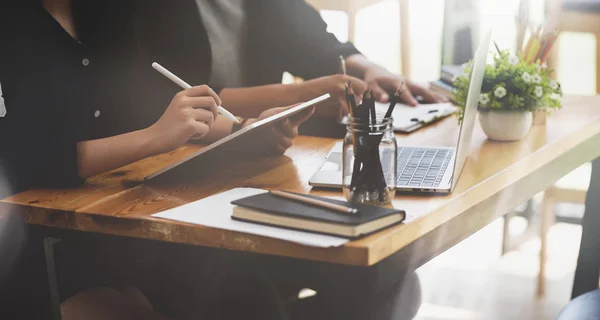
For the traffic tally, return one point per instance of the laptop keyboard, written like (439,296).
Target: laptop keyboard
(422,167)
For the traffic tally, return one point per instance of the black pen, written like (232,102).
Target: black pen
(395,100)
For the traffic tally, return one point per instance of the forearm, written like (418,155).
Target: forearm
(250,102)
(101,155)
(357,65)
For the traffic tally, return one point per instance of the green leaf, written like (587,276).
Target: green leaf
(520,95)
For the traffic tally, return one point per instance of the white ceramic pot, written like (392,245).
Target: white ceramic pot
(504,125)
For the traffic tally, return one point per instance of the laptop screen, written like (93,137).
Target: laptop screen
(470,112)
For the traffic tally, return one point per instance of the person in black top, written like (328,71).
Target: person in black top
(77,105)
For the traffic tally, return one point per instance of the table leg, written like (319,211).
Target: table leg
(23,274)
(508,243)
(52,283)
(506,233)
(546,221)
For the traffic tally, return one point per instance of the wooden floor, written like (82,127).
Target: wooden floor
(472,281)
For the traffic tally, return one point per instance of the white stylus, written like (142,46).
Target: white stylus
(185,85)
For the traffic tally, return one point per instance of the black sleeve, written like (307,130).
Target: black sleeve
(38,145)
(293,34)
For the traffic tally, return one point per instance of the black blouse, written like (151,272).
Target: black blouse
(40,74)
(59,91)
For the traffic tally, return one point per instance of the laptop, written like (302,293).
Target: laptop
(423,169)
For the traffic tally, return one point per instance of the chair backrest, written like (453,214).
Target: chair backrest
(587,273)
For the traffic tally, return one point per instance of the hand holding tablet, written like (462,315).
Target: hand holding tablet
(293,114)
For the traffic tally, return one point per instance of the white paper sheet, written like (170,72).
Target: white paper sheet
(407,117)
(404,114)
(215,212)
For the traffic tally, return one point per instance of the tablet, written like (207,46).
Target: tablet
(262,123)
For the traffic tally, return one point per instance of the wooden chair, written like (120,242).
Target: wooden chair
(570,189)
(352,7)
(572,16)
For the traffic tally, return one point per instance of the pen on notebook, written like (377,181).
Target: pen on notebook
(315,202)
(185,85)
(343,65)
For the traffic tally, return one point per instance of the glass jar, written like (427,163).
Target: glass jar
(369,161)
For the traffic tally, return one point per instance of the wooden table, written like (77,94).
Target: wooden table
(497,177)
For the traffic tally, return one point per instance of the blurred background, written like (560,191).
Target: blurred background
(427,31)
(493,274)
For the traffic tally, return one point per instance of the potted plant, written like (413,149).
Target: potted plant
(512,89)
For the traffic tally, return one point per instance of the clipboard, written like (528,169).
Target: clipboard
(226,140)
(408,119)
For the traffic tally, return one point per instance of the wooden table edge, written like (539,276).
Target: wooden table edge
(364,252)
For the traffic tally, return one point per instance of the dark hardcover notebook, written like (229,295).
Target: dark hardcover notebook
(269,209)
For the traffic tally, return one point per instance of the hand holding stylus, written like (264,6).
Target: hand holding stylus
(184,85)
(190,115)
